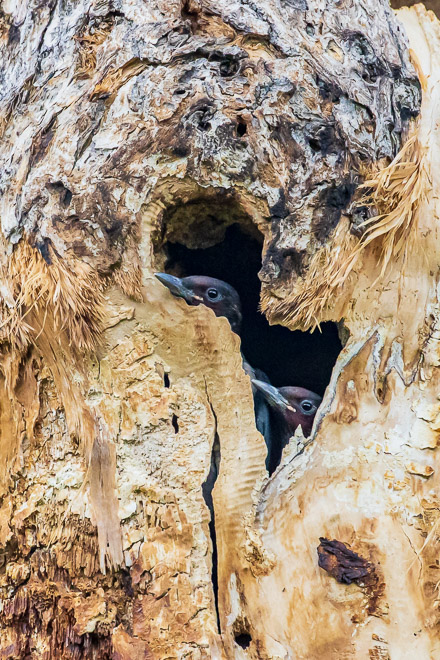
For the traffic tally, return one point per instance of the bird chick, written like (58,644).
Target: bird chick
(291,407)
(219,296)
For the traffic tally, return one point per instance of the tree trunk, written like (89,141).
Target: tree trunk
(129,127)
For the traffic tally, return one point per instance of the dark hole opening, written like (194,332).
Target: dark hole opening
(204,125)
(126,581)
(243,640)
(175,423)
(67,198)
(166,380)
(228,68)
(241,128)
(315,144)
(288,358)
(65,194)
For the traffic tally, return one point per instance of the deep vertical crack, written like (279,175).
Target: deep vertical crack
(207,488)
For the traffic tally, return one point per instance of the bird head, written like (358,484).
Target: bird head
(219,296)
(295,405)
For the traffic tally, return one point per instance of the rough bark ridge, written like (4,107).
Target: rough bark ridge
(126,124)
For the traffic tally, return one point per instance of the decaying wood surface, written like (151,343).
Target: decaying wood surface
(433,5)
(126,124)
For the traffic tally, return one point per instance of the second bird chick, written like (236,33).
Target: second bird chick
(292,407)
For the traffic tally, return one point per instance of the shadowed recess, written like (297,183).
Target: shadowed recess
(243,640)
(288,358)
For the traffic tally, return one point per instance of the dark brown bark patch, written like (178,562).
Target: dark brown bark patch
(342,563)
(346,566)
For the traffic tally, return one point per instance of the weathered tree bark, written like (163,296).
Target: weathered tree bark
(126,124)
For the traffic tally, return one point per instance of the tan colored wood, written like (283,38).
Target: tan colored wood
(120,131)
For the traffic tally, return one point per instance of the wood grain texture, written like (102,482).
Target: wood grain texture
(126,124)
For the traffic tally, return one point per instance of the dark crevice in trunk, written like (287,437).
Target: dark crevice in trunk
(207,494)
(175,423)
(207,488)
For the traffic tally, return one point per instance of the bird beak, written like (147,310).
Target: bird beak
(272,395)
(176,286)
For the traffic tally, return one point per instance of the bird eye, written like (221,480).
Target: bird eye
(212,294)
(307,406)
